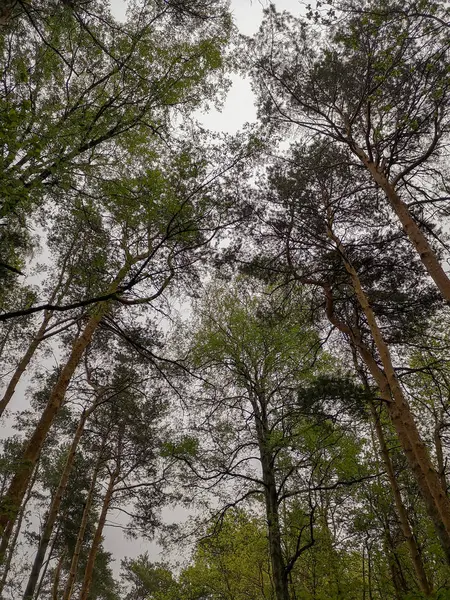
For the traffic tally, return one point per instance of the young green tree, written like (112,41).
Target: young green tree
(255,350)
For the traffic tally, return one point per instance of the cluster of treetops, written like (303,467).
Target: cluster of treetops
(234,345)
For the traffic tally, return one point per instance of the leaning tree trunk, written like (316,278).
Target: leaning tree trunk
(410,227)
(11,501)
(398,580)
(434,496)
(441,463)
(57,576)
(9,506)
(402,513)
(47,564)
(414,552)
(25,361)
(54,510)
(13,542)
(57,295)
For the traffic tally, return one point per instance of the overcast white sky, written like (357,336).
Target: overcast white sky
(238,110)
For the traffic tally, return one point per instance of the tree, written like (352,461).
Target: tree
(379,87)
(254,349)
(361,281)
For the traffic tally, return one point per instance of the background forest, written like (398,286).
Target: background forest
(234,345)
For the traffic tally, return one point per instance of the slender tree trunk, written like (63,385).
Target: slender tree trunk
(402,513)
(435,498)
(15,493)
(10,503)
(279,573)
(410,227)
(440,454)
(23,364)
(57,294)
(12,545)
(5,337)
(364,571)
(414,552)
(389,552)
(47,564)
(87,580)
(54,510)
(57,577)
(369,571)
(82,530)
(273,526)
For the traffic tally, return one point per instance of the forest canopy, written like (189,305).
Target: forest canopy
(224,357)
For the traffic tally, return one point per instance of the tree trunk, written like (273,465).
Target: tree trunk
(47,564)
(410,227)
(57,294)
(440,454)
(402,514)
(389,552)
(87,580)
(414,552)
(5,337)
(435,498)
(54,510)
(56,577)
(12,545)
(10,503)
(279,572)
(23,364)
(82,530)
(15,493)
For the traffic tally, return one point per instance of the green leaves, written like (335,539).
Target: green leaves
(186,447)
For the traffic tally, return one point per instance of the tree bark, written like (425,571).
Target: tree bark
(16,490)
(47,564)
(82,530)
(435,498)
(56,577)
(13,543)
(440,454)
(410,227)
(57,294)
(23,364)
(54,510)
(416,557)
(279,573)
(10,503)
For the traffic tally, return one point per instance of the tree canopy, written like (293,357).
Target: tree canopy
(232,348)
